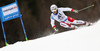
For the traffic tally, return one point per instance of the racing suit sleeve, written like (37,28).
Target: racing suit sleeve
(52,22)
(66,9)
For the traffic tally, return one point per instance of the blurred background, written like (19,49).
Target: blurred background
(36,18)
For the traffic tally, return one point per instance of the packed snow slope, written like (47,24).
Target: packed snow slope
(82,39)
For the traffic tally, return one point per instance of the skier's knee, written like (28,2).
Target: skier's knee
(64,25)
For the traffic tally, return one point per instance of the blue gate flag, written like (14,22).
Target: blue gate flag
(9,12)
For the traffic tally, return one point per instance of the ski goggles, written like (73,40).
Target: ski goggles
(54,10)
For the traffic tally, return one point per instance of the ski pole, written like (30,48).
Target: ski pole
(54,32)
(86,7)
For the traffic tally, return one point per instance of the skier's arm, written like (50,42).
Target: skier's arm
(68,9)
(53,24)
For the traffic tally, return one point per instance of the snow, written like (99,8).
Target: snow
(83,39)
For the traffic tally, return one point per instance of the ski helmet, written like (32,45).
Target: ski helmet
(53,8)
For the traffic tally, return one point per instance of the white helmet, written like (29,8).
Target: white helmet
(53,8)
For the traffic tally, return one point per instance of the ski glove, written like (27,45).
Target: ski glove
(75,11)
(56,30)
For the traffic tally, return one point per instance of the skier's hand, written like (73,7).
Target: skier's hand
(56,30)
(75,11)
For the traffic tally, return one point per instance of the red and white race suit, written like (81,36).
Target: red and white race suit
(64,20)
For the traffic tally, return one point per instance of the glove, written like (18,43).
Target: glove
(56,30)
(75,11)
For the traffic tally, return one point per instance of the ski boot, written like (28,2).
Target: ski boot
(73,27)
(88,23)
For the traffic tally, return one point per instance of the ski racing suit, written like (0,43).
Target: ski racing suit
(64,20)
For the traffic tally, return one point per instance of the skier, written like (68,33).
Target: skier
(65,21)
